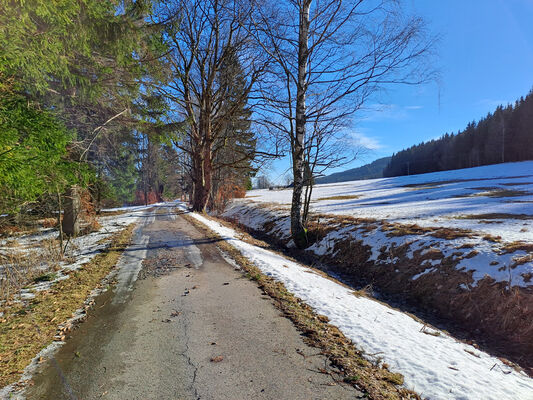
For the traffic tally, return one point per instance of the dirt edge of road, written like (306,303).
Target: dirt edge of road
(28,328)
(377,381)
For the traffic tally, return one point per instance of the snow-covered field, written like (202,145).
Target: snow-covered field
(433,364)
(435,199)
(492,205)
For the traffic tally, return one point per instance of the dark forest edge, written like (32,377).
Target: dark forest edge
(502,136)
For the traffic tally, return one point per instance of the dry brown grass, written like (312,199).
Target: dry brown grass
(105,213)
(48,222)
(497,192)
(345,197)
(491,216)
(472,254)
(523,260)
(396,229)
(424,187)
(377,381)
(26,328)
(15,230)
(342,220)
(517,246)
(18,268)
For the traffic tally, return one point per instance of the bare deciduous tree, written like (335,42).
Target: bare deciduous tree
(328,57)
(202,36)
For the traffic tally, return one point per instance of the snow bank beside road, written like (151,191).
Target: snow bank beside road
(471,255)
(456,244)
(433,364)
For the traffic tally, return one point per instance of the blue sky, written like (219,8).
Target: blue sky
(485,58)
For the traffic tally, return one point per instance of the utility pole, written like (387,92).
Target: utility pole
(503,137)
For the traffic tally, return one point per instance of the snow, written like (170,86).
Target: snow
(436,200)
(80,250)
(424,272)
(434,365)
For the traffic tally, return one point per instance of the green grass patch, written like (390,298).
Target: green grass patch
(45,277)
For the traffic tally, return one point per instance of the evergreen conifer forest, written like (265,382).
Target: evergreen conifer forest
(506,135)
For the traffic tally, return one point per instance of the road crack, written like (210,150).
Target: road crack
(186,354)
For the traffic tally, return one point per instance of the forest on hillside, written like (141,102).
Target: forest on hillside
(368,171)
(506,135)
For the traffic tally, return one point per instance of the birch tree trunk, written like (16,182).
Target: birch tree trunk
(298,162)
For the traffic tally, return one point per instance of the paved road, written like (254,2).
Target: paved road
(191,327)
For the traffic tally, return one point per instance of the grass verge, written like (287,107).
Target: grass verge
(495,216)
(27,328)
(347,197)
(376,381)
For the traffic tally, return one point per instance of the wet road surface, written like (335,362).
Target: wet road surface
(191,327)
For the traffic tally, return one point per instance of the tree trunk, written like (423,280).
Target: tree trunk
(202,173)
(59,222)
(298,163)
(71,223)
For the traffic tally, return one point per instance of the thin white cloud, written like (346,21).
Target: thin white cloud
(378,112)
(360,139)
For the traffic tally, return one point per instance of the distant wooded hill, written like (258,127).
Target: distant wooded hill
(369,171)
(503,136)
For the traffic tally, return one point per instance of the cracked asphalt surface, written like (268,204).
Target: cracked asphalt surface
(192,328)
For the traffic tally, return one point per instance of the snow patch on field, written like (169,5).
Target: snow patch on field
(434,365)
